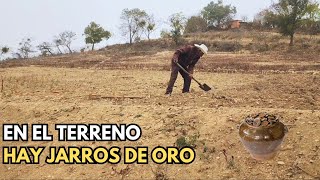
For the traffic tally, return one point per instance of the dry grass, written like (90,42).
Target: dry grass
(230,51)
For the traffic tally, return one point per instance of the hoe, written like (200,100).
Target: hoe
(204,87)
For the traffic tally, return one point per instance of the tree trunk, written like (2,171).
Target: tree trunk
(130,34)
(59,50)
(130,38)
(92,46)
(70,51)
(291,40)
(49,51)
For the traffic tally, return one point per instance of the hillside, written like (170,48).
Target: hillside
(229,51)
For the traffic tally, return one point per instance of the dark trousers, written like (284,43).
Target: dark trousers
(174,74)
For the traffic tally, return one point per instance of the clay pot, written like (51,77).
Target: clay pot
(262,139)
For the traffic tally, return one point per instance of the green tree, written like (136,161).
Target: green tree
(95,34)
(313,11)
(133,23)
(311,25)
(177,24)
(4,50)
(196,24)
(269,18)
(216,14)
(290,15)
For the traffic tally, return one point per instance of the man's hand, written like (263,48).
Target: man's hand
(191,75)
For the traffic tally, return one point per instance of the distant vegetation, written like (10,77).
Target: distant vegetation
(177,23)
(287,17)
(95,34)
(4,50)
(136,22)
(218,14)
(196,24)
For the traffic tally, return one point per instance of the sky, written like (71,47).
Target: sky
(41,20)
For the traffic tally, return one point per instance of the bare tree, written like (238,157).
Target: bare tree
(57,42)
(16,55)
(65,39)
(45,48)
(150,25)
(133,23)
(25,48)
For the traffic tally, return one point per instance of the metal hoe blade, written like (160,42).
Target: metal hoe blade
(205,87)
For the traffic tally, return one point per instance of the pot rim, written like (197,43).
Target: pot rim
(269,126)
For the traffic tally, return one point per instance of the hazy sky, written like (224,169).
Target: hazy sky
(42,19)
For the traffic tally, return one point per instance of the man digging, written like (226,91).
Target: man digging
(187,57)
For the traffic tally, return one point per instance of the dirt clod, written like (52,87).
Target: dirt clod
(261,119)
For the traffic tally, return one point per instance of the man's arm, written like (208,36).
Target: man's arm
(191,69)
(191,66)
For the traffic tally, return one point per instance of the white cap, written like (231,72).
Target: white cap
(202,47)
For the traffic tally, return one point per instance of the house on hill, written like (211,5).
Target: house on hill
(237,24)
(234,24)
